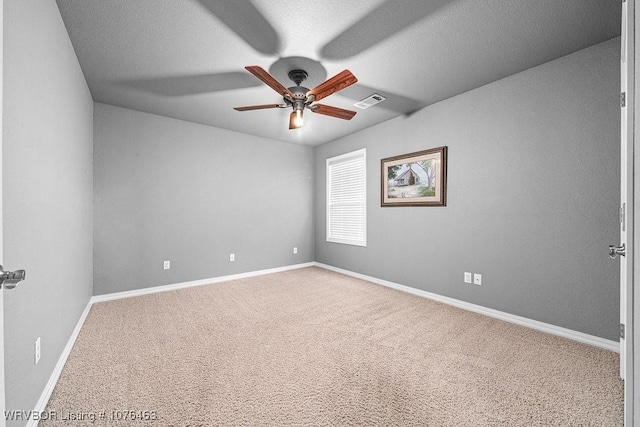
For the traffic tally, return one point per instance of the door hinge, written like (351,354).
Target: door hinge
(623,99)
(622,330)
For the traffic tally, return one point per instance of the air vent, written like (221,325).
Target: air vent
(370,101)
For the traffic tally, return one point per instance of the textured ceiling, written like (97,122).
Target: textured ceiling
(185,59)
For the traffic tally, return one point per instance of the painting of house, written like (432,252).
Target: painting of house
(410,174)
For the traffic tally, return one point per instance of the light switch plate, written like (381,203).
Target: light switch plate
(467,277)
(477,279)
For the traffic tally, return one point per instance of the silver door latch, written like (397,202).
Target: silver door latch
(614,251)
(11,278)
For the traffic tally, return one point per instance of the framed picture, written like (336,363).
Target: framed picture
(415,179)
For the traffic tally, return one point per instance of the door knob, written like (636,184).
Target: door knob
(614,251)
(11,278)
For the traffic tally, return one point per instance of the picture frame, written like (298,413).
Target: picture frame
(414,179)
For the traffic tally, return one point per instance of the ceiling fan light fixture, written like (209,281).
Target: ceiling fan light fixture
(295,119)
(300,97)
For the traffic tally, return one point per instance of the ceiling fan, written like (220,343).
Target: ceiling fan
(299,97)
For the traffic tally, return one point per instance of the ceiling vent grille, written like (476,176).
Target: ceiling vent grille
(370,101)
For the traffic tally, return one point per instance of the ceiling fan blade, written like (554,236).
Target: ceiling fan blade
(268,79)
(259,107)
(334,84)
(328,110)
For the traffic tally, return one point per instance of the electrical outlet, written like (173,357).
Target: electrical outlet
(166,265)
(36,352)
(467,277)
(477,279)
(295,250)
(232,257)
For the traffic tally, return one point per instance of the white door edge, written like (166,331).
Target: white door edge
(627,58)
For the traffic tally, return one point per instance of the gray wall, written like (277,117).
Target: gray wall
(166,189)
(47,189)
(533,192)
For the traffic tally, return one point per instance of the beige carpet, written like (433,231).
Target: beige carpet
(311,347)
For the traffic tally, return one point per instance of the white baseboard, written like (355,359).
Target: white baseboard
(53,379)
(523,321)
(172,287)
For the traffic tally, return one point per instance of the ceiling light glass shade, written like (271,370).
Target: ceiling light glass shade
(295,119)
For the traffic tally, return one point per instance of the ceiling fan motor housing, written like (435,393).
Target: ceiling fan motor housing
(299,99)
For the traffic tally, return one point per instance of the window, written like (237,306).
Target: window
(346,198)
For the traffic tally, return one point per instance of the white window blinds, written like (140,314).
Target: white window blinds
(346,198)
